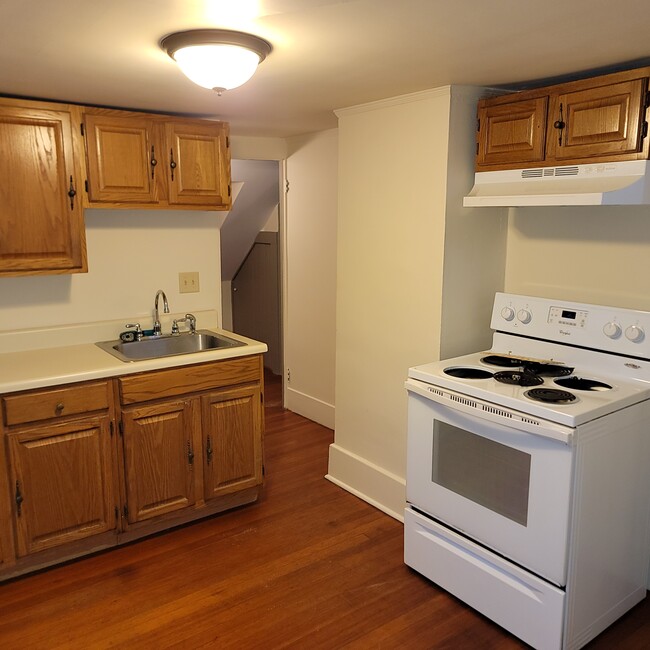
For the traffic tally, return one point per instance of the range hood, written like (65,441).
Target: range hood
(616,183)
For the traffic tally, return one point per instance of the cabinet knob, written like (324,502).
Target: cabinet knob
(59,408)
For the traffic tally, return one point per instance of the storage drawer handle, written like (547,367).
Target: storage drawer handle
(59,408)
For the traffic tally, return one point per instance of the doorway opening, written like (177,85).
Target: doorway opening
(251,263)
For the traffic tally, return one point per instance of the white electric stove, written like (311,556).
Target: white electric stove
(528,471)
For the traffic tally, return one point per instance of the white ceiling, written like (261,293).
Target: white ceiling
(327,54)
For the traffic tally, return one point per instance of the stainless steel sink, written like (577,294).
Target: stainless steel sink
(168,346)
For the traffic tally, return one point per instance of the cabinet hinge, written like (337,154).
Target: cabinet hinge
(647,99)
(86,185)
(117,513)
(121,429)
(262,398)
(229,189)
(227,142)
(644,133)
(125,511)
(263,470)
(477,148)
(478,124)
(81,126)
(111,427)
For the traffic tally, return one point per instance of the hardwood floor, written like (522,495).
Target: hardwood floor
(308,566)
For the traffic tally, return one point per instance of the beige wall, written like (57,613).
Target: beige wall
(131,254)
(310,326)
(408,255)
(595,254)
(392,187)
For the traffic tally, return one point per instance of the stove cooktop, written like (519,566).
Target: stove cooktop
(556,391)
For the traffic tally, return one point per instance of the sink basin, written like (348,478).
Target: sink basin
(168,346)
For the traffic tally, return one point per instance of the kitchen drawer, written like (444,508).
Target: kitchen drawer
(158,384)
(54,403)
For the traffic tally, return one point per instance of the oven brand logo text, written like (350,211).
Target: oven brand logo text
(565,333)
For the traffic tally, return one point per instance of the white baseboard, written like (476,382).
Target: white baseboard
(368,481)
(309,407)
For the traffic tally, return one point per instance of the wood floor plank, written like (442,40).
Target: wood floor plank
(307,566)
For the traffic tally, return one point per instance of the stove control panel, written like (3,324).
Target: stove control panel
(611,329)
(568,317)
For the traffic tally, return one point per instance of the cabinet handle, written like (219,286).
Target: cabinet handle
(190,454)
(153,162)
(72,193)
(172,162)
(59,408)
(19,500)
(208,451)
(560,124)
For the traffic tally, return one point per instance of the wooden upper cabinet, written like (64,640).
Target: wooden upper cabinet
(512,133)
(122,159)
(601,119)
(597,121)
(198,164)
(153,161)
(41,217)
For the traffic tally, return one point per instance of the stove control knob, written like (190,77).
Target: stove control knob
(635,333)
(524,316)
(612,330)
(507,313)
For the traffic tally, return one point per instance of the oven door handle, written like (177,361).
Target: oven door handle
(487,411)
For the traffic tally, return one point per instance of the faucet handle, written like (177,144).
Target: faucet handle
(191,320)
(138,330)
(175,329)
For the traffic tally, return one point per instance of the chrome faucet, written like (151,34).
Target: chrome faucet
(190,320)
(157,330)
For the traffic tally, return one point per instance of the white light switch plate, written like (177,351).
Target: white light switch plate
(188,282)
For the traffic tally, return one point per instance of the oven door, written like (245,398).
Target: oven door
(502,486)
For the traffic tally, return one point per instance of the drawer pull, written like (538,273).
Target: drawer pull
(59,408)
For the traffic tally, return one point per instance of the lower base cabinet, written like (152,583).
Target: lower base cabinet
(61,477)
(82,470)
(158,459)
(232,441)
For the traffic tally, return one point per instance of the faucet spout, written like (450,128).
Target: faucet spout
(157,330)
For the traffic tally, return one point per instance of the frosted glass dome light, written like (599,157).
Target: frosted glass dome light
(216,58)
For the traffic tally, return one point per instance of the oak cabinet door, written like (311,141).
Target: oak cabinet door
(512,133)
(158,458)
(122,159)
(41,219)
(232,440)
(606,120)
(61,483)
(198,164)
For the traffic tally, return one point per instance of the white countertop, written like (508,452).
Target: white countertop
(66,364)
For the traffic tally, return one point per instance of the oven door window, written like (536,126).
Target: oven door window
(488,473)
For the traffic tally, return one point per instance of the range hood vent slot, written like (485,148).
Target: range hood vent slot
(615,183)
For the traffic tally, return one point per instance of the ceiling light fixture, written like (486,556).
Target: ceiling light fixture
(219,59)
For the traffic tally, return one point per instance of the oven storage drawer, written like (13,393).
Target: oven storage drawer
(522,603)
